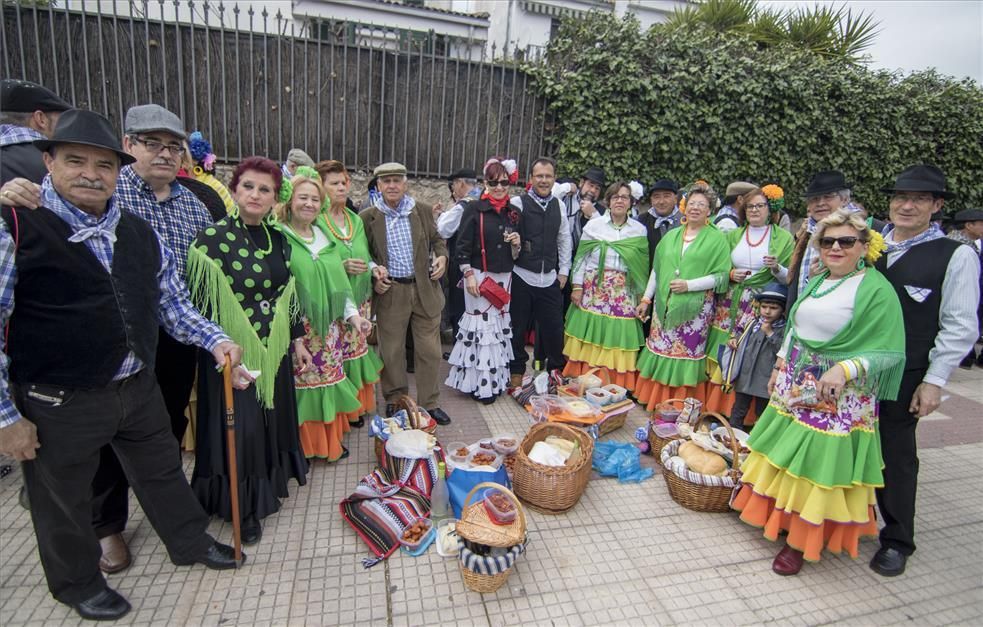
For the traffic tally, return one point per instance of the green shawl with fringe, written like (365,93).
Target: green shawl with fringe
(322,283)
(780,246)
(708,254)
(634,252)
(231,284)
(358,249)
(874,333)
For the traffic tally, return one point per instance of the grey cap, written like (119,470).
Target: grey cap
(299,157)
(150,117)
(390,169)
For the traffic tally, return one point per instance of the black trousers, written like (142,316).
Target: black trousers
(175,373)
(742,403)
(543,306)
(896,500)
(129,416)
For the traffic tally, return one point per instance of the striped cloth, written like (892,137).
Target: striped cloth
(488,564)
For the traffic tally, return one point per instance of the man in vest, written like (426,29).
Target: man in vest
(584,205)
(91,282)
(663,213)
(28,112)
(828,191)
(937,281)
(540,271)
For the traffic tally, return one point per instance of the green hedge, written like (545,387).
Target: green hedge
(698,104)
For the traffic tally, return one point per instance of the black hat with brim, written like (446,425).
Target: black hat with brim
(968,215)
(595,175)
(667,185)
(18,96)
(826,182)
(774,292)
(921,178)
(88,128)
(463,173)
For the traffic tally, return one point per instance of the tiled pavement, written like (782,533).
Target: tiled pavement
(626,554)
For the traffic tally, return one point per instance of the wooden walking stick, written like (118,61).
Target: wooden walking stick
(230,441)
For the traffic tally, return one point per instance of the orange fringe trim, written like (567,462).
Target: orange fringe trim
(626,380)
(323,439)
(759,511)
(650,393)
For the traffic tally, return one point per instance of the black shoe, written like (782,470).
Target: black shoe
(344,454)
(485,400)
(447,355)
(357,424)
(107,605)
(217,557)
(252,531)
(439,416)
(888,562)
(391,409)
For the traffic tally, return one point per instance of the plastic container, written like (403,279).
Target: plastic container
(540,409)
(598,397)
(496,463)
(666,430)
(668,413)
(502,446)
(413,546)
(617,392)
(589,381)
(441,526)
(496,515)
(451,450)
(580,408)
(486,444)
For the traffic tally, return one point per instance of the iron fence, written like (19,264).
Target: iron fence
(261,83)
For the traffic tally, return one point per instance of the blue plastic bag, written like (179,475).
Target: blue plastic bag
(621,460)
(461,481)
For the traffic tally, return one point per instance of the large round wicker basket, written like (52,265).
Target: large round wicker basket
(552,489)
(701,498)
(475,526)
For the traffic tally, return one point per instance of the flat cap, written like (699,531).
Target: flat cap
(390,169)
(299,157)
(463,173)
(149,118)
(739,188)
(26,97)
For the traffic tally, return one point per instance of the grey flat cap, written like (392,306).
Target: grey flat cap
(299,157)
(151,117)
(390,169)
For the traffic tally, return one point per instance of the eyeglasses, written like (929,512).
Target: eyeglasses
(621,197)
(156,147)
(697,205)
(846,243)
(915,198)
(502,183)
(758,207)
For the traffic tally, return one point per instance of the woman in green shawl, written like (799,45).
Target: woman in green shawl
(346,229)
(691,264)
(815,456)
(759,253)
(609,273)
(326,399)
(239,276)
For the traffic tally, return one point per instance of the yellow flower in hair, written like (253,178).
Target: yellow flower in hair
(773,192)
(875,246)
(682,204)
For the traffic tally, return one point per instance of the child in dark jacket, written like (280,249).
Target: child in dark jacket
(756,352)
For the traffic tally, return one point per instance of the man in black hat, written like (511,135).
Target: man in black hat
(828,191)
(967,228)
(463,185)
(28,112)
(91,282)
(584,204)
(937,281)
(663,213)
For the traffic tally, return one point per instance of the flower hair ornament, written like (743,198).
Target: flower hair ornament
(775,196)
(875,246)
(201,151)
(286,190)
(636,190)
(510,165)
(308,172)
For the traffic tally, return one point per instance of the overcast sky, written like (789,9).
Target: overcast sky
(919,34)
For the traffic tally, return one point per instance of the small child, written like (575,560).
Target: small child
(757,349)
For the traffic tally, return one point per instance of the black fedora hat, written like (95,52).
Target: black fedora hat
(595,175)
(463,173)
(921,178)
(826,182)
(968,215)
(78,126)
(667,185)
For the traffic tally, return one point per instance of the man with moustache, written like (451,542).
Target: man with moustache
(663,214)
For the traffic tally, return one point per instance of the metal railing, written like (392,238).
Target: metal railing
(258,83)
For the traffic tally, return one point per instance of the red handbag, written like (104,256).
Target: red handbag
(489,289)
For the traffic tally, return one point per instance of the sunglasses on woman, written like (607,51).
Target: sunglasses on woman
(846,243)
(502,183)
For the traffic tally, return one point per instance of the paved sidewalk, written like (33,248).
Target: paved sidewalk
(626,554)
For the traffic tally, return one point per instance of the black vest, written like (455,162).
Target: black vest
(923,266)
(74,323)
(539,229)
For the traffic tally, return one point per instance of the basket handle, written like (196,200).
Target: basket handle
(412,410)
(734,446)
(501,488)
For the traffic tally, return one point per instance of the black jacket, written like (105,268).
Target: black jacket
(469,244)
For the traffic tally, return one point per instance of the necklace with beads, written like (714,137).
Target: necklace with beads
(747,237)
(262,252)
(345,239)
(816,293)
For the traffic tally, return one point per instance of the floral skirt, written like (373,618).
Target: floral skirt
(362,364)
(326,399)
(813,469)
(603,331)
(673,362)
(483,348)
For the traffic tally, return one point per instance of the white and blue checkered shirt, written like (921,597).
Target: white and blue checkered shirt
(399,237)
(176,313)
(11,134)
(807,257)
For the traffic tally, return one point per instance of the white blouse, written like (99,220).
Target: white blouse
(747,257)
(321,242)
(819,319)
(602,229)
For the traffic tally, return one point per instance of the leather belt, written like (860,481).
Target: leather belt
(405,280)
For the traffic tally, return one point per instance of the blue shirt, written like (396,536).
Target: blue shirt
(176,313)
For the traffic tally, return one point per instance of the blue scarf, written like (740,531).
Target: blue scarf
(933,232)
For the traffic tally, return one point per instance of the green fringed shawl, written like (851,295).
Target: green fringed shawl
(227,281)
(361,283)
(780,246)
(708,254)
(322,283)
(633,251)
(874,333)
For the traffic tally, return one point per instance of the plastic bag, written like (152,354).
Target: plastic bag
(621,460)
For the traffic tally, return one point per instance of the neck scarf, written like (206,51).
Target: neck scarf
(634,251)
(497,203)
(83,224)
(660,220)
(708,254)
(933,232)
(406,205)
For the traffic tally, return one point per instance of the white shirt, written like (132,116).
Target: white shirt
(564,244)
(449,221)
(602,229)
(820,319)
(747,257)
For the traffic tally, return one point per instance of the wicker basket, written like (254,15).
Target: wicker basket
(701,498)
(413,410)
(552,489)
(576,390)
(475,526)
(655,442)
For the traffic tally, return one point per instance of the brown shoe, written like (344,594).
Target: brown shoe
(515,381)
(787,562)
(115,554)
